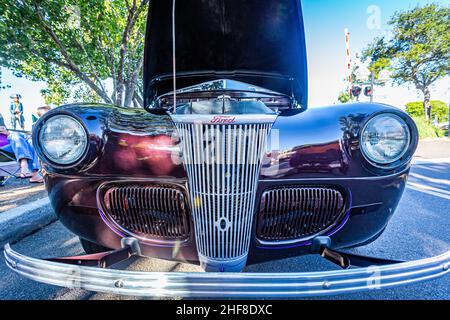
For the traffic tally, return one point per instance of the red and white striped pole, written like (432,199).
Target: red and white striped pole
(349,61)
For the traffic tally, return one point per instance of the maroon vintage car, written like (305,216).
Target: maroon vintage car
(230,169)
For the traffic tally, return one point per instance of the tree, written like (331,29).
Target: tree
(439,110)
(419,50)
(77,47)
(344,97)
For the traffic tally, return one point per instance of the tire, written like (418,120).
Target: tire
(91,247)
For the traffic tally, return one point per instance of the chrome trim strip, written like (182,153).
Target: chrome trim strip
(224,119)
(255,285)
(337,178)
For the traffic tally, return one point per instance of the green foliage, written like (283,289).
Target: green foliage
(421,44)
(438,109)
(83,93)
(60,94)
(427,130)
(380,55)
(344,97)
(419,50)
(72,44)
(56,93)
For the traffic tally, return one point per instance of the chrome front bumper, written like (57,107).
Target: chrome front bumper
(262,285)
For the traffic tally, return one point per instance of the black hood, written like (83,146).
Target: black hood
(259,42)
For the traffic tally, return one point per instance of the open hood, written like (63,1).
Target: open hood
(259,42)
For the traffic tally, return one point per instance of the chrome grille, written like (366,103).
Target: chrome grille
(223,163)
(148,212)
(298,213)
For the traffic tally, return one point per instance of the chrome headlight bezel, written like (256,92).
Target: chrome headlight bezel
(396,161)
(41,149)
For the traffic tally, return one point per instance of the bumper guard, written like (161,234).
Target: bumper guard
(255,285)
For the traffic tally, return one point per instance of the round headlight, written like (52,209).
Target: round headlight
(63,139)
(385,139)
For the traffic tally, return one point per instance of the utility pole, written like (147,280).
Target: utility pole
(349,62)
(372,84)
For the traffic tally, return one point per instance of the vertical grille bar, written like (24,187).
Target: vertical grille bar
(223,163)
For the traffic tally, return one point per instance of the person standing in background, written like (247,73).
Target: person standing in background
(16,110)
(39,113)
(2,122)
(18,144)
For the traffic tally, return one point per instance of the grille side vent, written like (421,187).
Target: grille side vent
(298,213)
(147,212)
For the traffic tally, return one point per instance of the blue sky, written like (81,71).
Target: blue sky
(325,21)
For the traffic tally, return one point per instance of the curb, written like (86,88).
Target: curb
(20,222)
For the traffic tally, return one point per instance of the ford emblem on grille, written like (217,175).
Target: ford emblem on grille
(223,120)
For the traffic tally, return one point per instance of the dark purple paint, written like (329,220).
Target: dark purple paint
(325,152)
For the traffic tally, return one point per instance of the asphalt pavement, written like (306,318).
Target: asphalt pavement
(17,192)
(419,229)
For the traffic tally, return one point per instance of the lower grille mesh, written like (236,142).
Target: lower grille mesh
(296,213)
(148,212)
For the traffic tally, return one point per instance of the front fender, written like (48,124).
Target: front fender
(324,143)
